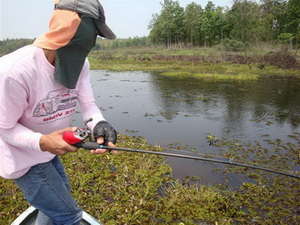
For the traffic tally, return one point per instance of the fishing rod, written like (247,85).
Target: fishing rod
(77,138)
(95,145)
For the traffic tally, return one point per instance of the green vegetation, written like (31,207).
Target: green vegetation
(132,188)
(10,45)
(212,63)
(246,22)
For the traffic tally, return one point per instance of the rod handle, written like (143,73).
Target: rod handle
(91,145)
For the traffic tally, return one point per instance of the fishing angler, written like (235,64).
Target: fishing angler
(40,86)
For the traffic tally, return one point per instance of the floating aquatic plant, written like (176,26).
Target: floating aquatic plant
(132,188)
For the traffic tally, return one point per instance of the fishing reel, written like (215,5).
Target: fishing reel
(77,137)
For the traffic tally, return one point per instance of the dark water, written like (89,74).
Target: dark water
(170,111)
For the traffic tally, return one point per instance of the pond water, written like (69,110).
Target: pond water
(169,111)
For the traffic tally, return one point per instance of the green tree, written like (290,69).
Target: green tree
(206,25)
(293,20)
(10,45)
(272,19)
(192,23)
(167,28)
(212,24)
(244,18)
(245,22)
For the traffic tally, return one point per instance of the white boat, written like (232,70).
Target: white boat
(28,217)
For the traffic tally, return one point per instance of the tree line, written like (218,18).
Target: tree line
(275,21)
(9,45)
(245,23)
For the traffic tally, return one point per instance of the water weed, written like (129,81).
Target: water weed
(132,188)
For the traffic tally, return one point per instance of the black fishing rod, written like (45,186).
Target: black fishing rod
(94,145)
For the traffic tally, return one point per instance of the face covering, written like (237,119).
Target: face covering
(70,58)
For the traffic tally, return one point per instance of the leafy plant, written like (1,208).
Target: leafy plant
(132,188)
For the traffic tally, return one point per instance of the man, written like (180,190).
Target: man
(40,85)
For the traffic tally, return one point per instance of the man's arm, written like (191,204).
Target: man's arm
(90,110)
(23,137)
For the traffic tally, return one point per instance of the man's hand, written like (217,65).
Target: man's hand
(105,134)
(55,144)
(100,141)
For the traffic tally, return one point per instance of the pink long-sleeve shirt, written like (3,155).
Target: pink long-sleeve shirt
(32,104)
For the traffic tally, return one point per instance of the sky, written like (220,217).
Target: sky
(126,18)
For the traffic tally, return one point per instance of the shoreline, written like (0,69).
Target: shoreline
(197,62)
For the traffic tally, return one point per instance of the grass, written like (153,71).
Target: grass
(209,63)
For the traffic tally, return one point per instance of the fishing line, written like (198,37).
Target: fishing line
(94,145)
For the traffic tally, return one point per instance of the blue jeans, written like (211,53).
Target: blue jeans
(46,187)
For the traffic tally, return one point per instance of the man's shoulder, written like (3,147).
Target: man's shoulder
(21,57)
(20,51)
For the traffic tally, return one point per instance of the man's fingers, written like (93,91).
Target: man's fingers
(110,144)
(55,144)
(98,151)
(100,141)
(66,129)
